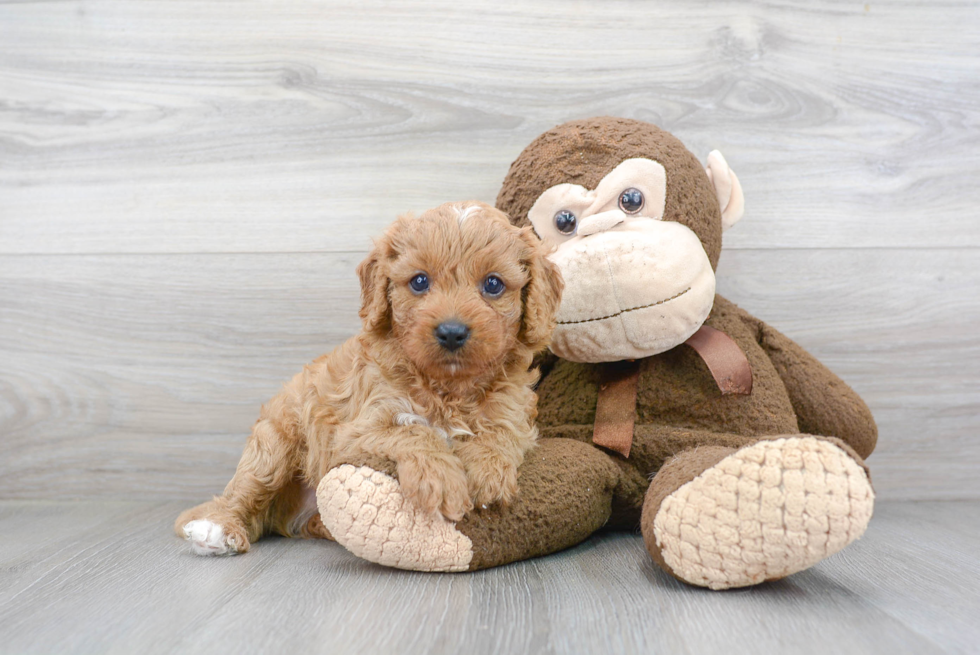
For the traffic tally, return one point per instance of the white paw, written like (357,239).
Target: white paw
(208,538)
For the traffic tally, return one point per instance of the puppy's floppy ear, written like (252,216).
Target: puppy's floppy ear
(375,308)
(541,295)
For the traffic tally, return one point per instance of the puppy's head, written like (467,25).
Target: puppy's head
(458,289)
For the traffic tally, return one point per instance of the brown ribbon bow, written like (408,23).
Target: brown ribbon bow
(615,412)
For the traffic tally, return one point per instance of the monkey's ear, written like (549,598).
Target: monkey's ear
(727,189)
(541,295)
(375,308)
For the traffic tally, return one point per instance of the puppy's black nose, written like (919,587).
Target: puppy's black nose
(452,335)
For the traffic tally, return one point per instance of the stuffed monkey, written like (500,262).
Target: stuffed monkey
(663,406)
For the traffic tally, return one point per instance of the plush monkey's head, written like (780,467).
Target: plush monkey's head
(635,223)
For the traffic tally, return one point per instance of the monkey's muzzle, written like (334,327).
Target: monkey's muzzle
(636,290)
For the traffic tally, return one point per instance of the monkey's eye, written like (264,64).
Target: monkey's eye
(493,286)
(419,283)
(631,201)
(566,222)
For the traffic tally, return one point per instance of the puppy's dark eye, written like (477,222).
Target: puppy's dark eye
(566,222)
(631,201)
(419,283)
(493,286)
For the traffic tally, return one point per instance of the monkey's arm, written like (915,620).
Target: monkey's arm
(824,404)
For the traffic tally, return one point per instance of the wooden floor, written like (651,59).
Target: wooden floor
(99,577)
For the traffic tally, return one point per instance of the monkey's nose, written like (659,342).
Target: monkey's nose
(600,222)
(451,335)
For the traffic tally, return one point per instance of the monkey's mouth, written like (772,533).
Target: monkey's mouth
(624,311)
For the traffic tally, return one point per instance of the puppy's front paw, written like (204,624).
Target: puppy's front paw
(436,483)
(209,538)
(492,480)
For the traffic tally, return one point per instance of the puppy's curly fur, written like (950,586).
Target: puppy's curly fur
(457,422)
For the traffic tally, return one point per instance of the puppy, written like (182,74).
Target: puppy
(455,303)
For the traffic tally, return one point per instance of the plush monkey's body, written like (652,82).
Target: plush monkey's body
(679,406)
(730,489)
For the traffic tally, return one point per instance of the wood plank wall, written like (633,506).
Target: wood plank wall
(186,188)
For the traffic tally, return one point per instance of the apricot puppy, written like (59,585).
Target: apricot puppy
(455,303)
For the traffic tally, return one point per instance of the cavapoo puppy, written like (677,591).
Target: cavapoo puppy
(455,303)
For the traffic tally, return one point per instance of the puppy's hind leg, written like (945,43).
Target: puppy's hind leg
(294,513)
(211,529)
(228,524)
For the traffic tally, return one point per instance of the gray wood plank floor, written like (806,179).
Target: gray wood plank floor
(109,577)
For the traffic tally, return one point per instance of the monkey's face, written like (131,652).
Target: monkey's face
(635,284)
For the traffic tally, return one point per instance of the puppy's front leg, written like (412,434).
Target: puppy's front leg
(429,473)
(491,458)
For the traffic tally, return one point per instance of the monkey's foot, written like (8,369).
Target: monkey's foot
(759,513)
(366,512)
(565,495)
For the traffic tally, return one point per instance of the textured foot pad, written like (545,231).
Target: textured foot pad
(366,512)
(764,512)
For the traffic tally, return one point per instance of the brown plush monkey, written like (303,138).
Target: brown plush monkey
(737,453)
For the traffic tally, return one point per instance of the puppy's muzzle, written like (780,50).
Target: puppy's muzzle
(451,335)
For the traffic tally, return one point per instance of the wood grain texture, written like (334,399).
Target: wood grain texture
(140,375)
(186,187)
(194,127)
(111,578)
